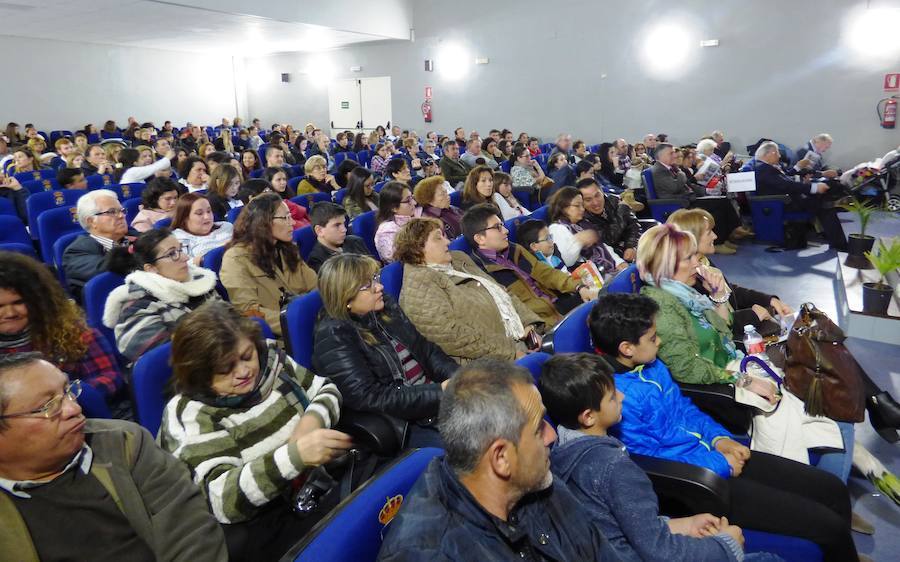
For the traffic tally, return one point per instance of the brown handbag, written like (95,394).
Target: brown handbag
(820,370)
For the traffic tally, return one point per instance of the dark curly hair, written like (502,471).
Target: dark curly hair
(154,190)
(56,323)
(253,229)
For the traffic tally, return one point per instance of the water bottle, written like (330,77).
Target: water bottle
(753,342)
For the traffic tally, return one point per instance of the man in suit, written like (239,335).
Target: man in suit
(771,180)
(671,183)
(102,216)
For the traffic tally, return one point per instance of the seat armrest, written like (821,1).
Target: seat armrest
(371,431)
(685,489)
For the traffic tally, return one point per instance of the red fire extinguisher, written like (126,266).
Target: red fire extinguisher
(887,112)
(426,111)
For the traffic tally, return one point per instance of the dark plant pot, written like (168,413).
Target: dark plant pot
(857,246)
(877,298)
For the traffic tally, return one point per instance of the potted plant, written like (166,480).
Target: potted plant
(860,243)
(877,296)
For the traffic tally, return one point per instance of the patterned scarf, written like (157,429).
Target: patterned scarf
(703,310)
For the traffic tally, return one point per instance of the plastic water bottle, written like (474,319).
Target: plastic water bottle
(753,342)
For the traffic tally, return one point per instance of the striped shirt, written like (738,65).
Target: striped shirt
(241,458)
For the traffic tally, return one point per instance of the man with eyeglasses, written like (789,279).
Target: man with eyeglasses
(102,216)
(548,292)
(99,490)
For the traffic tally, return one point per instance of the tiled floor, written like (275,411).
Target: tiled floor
(807,275)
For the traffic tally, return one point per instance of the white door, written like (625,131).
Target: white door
(375,94)
(344,111)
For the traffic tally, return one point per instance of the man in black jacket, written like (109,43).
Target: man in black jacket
(329,222)
(102,216)
(770,180)
(493,497)
(618,226)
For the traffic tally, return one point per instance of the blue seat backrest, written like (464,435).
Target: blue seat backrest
(94,294)
(37,186)
(294,182)
(340,194)
(364,157)
(648,182)
(307,200)
(392,279)
(364,515)
(54,257)
(305,239)
(46,200)
(163,223)
(25,249)
(378,185)
(256,174)
(505,166)
(132,208)
(12,229)
(534,362)
(233,214)
(98,181)
(7,207)
(364,227)
(92,403)
(540,213)
(572,334)
(626,281)
(456,198)
(299,325)
(22,177)
(212,260)
(791,549)
(460,244)
(53,225)
(132,190)
(150,375)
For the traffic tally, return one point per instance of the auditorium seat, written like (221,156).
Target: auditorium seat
(392,279)
(307,200)
(305,239)
(12,230)
(571,335)
(340,194)
(769,215)
(57,250)
(341,156)
(364,227)
(460,244)
(298,322)
(456,198)
(626,281)
(212,260)
(233,214)
(149,378)
(355,529)
(660,208)
(92,403)
(37,186)
(94,295)
(24,249)
(132,208)
(98,181)
(51,224)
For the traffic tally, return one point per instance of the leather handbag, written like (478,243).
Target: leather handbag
(820,370)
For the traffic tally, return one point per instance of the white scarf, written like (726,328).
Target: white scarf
(512,324)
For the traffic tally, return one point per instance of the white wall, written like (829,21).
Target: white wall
(61,85)
(781,70)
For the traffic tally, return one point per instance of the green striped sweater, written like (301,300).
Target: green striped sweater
(241,458)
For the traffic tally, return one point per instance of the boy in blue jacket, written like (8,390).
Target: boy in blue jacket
(657,420)
(579,393)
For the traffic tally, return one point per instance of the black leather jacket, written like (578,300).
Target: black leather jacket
(618,226)
(370,377)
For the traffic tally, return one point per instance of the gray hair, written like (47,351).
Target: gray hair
(764,149)
(706,144)
(478,408)
(87,204)
(8,362)
(717,133)
(823,137)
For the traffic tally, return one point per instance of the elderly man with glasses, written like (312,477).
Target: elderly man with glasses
(80,489)
(102,216)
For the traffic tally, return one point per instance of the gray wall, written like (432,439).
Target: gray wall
(782,71)
(61,85)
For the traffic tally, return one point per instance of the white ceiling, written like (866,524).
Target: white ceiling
(167,25)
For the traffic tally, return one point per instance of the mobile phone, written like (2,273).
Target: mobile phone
(532,342)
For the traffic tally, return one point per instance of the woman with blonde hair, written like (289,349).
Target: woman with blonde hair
(455,304)
(368,347)
(317,179)
(112,150)
(205,149)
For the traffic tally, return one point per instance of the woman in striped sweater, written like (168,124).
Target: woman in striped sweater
(249,423)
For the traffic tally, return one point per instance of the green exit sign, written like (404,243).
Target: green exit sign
(345,105)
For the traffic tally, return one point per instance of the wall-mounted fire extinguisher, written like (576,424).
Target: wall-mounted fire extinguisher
(426,110)
(887,112)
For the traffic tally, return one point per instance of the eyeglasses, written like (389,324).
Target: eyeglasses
(376,279)
(52,407)
(498,227)
(120,212)
(576,205)
(281,217)
(549,238)
(174,254)
(408,200)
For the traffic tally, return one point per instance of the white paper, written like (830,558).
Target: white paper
(741,181)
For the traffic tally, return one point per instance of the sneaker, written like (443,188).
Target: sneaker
(724,250)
